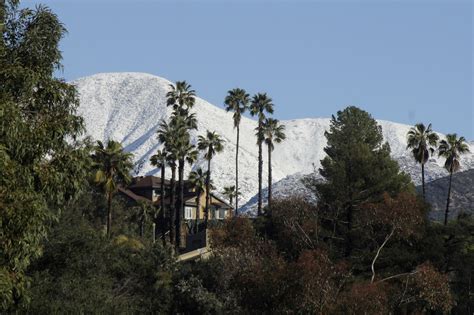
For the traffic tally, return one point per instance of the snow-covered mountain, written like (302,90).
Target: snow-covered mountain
(128,107)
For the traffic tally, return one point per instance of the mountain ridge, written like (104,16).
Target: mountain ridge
(128,107)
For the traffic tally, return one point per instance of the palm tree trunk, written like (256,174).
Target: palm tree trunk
(172,204)
(109,213)
(162,202)
(180,201)
(198,210)
(208,192)
(260,169)
(269,176)
(423,179)
(449,197)
(237,172)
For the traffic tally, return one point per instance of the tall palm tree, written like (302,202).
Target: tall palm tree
(274,132)
(212,144)
(230,193)
(167,136)
(422,141)
(237,101)
(451,149)
(197,179)
(113,166)
(159,160)
(182,122)
(260,105)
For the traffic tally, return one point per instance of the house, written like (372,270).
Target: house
(148,188)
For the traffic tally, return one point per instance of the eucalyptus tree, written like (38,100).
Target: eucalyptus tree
(113,166)
(42,166)
(197,179)
(451,149)
(274,132)
(260,105)
(211,144)
(237,101)
(422,141)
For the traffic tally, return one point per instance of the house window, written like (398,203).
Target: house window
(188,213)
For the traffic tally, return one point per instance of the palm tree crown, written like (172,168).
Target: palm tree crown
(181,96)
(422,141)
(237,101)
(451,149)
(212,143)
(113,166)
(261,103)
(273,131)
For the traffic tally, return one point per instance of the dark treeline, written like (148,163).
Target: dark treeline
(367,247)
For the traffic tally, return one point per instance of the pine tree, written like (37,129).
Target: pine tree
(357,169)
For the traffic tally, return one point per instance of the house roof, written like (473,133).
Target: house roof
(132,195)
(147,182)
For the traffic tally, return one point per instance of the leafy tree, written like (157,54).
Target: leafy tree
(422,141)
(113,166)
(274,132)
(357,169)
(398,217)
(197,179)
(211,144)
(451,149)
(237,101)
(260,105)
(83,272)
(42,166)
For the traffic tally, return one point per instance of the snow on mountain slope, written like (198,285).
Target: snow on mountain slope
(128,107)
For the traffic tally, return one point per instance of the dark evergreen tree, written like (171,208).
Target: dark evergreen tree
(357,169)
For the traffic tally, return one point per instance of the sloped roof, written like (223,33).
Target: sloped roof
(132,195)
(147,182)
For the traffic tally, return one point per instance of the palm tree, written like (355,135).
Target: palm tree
(159,160)
(197,179)
(212,144)
(237,100)
(181,97)
(113,166)
(422,141)
(274,132)
(451,149)
(142,213)
(230,193)
(167,136)
(260,105)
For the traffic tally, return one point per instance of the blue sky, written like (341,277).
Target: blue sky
(405,61)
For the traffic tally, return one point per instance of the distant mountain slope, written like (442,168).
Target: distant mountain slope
(462,195)
(128,107)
